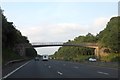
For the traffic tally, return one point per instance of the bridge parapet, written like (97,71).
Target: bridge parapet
(64,44)
(47,43)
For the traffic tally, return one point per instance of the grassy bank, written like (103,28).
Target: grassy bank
(78,58)
(112,57)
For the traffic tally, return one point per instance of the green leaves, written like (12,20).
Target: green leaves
(74,53)
(109,38)
(10,37)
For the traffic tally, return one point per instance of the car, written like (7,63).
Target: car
(92,59)
(36,58)
(45,58)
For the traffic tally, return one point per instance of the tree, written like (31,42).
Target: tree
(10,37)
(110,36)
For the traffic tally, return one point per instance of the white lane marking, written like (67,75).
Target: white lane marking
(99,66)
(15,70)
(102,73)
(60,73)
(49,66)
(64,64)
(76,67)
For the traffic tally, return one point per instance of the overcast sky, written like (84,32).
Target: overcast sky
(58,21)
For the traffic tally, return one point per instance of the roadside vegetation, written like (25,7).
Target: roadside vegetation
(109,38)
(11,37)
(9,55)
(112,57)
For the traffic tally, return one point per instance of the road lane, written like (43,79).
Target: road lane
(35,69)
(15,70)
(62,69)
(73,70)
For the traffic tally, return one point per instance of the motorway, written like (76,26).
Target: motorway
(61,69)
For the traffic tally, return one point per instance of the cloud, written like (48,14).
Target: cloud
(64,28)
(100,22)
(60,32)
(32,30)
(60,1)
(98,25)
(53,32)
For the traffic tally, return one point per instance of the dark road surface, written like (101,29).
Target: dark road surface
(61,69)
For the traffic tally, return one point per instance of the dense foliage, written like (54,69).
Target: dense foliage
(75,53)
(108,38)
(30,52)
(10,37)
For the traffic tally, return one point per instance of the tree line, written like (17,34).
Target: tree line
(108,38)
(10,37)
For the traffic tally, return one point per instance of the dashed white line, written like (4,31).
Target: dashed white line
(76,67)
(102,73)
(15,70)
(60,73)
(64,64)
(49,66)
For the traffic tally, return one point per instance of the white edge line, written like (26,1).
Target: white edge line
(14,71)
(49,66)
(100,66)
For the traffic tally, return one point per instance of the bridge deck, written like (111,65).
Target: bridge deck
(46,44)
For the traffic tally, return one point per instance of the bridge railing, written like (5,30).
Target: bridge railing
(64,43)
(47,43)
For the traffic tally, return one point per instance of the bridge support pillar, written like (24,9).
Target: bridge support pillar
(97,52)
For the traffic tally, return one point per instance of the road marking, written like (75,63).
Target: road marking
(76,67)
(60,73)
(102,73)
(64,64)
(14,70)
(100,66)
(49,66)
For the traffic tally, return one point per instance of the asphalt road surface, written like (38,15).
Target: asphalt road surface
(60,69)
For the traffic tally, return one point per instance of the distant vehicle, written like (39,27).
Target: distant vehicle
(92,59)
(36,58)
(45,57)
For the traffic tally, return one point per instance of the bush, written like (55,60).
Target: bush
(9,54)
(112,57)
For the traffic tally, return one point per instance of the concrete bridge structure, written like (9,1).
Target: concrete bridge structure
(21,47)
